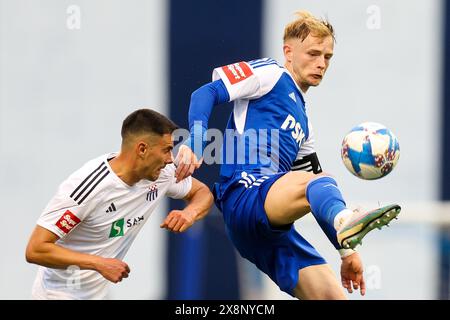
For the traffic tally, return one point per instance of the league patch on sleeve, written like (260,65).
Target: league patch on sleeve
(67,222)
(237,72)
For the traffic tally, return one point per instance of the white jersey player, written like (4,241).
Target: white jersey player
(89,225)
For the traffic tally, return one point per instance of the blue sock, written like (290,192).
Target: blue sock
(326,202)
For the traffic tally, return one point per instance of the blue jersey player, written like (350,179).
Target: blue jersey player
(271,176)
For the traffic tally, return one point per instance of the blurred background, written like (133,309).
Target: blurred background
(71,71)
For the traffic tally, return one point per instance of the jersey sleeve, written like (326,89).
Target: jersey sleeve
(249,80)
(177,190)
(62,214)
(239,79)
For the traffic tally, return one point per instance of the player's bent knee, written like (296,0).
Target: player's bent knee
(286,200)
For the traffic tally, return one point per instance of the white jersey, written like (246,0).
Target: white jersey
(95,212)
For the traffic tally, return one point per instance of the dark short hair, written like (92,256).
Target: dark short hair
(146,121)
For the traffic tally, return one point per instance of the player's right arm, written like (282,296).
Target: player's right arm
(190,155)
(43,250)
(231,82)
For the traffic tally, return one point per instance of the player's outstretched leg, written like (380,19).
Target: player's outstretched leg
(297,193)
(328,207)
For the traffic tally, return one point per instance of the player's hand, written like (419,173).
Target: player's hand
(179,220)
(186,162)
(352,273)
(113,270)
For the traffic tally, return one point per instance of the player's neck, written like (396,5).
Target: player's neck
(123,168)
(303,86)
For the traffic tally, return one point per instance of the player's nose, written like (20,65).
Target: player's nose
(169,159)
(321,63)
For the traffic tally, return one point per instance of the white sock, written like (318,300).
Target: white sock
(341,217)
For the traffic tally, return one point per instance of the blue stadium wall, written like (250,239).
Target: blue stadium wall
(444,291)
(202,262)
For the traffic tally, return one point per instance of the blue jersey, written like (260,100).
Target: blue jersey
(268,134)
(268,128)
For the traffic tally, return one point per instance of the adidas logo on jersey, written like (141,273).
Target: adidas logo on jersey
(292,96)
(111,208)
(249,180)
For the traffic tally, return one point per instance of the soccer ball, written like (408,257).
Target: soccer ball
(370,151)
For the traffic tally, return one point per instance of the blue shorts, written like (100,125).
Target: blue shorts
(278,252)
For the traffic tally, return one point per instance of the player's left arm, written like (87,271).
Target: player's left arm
(199,199)
(190,154)
(231,82)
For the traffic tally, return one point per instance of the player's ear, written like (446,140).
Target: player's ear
(141,148)
(287,49)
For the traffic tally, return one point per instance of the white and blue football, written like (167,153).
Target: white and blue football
(370,151)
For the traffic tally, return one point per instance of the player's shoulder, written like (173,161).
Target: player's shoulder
(266,68)
(244,69)
(98,164)
(254,78)
(265,65)
(268,71)
(90,179)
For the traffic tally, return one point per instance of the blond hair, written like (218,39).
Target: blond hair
(305,24)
